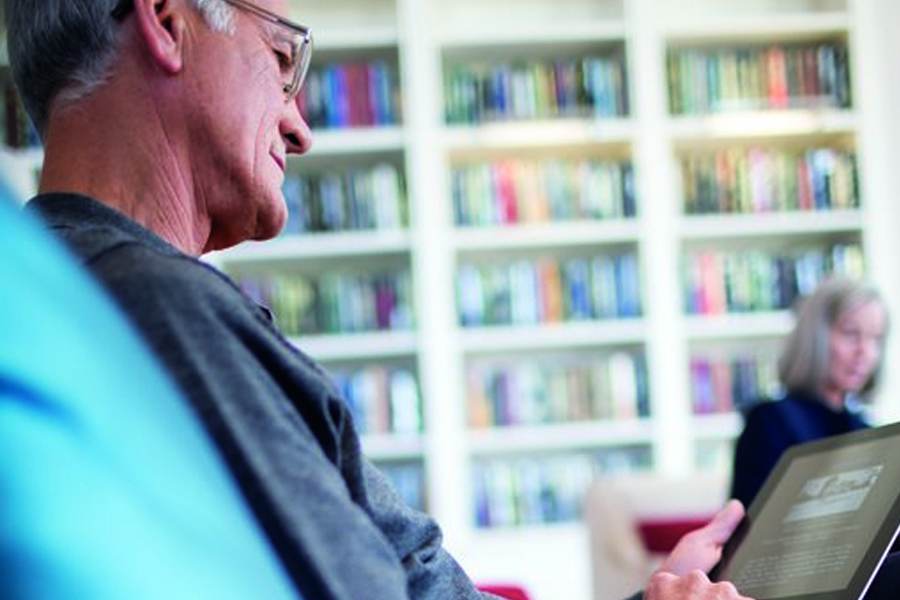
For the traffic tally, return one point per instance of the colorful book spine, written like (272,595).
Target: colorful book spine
(731,384)
(708,80)
(756,281)
(347,200)
(529,491)
(335,302)
(528,292)
(593,86)
(521,191)
(535,393)
(760,180)
(382,400)
(338,96)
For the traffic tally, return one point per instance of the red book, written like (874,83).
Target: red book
(721,385)
(508,199)
(550,290)
(357,93)
(804,186)
(367,114)
(778,88)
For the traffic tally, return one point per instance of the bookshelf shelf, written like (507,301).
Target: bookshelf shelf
(565,436)
(710,227)
(538,134)
(763,124)
(527,34)
(319,245)
(392,447)
(358,346)
(545,235)
(781,27)
(359,140)
(560,535)
(356,38)
(560,335)
(717,427)
(733,326)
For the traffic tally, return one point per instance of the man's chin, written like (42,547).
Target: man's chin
(270,225)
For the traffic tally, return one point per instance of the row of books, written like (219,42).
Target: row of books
(703,80)
(531,393)
(351,199)
(526,191)
(382,400)
(723,385)
(720,282)
(408,480)
(758,180)
(550,489)
(18,130)
(546,290)
(593,86)
(334,302)
(351,95)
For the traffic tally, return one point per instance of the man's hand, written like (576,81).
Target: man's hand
(702,549)
(692,586)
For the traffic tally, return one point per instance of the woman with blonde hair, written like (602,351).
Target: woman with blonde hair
(831,361)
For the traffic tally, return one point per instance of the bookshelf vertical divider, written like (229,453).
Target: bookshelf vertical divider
(659,214)
(440,360)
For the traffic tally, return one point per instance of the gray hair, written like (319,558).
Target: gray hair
(803,364)
(62,50)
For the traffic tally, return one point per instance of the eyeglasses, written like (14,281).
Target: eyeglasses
(293,61)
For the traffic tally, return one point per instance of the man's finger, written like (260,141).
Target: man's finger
(724,523)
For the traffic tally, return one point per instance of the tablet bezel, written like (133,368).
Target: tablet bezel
(879,547)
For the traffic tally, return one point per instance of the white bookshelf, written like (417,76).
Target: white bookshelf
(333,142)
(320,245)
(788,26)
(717,427)
(554,437)
(569,335)
(356,346)
(735,326)
(546,235)
(553,560)
(752,124)
(427,35)
(553,33)
(542,134)
(392,447)
(764,225)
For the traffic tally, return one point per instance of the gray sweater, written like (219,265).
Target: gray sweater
(335,522)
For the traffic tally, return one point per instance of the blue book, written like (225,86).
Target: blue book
(577,277)
(628,286)
(629,203)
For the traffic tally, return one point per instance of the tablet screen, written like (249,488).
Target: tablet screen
(813,527)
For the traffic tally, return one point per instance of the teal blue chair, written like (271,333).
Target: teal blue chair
(109,487)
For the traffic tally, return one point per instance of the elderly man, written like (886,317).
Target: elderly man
(166,126)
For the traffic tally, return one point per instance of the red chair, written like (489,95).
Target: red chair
(510,592)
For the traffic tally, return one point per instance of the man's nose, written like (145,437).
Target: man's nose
(296,133)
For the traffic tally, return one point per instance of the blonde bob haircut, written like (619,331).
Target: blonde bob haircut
(803,364)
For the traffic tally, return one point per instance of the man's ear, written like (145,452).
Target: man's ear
(161,25)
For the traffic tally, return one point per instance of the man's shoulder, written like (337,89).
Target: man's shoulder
(121,253)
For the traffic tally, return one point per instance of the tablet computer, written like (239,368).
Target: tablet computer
(822,523)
